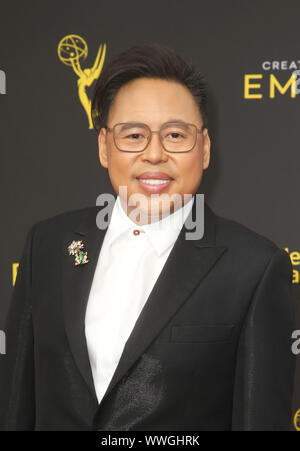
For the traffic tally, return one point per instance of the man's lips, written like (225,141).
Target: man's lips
(154,182)
(154,175)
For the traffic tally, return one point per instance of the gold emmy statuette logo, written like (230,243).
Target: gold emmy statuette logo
(71,50)
(297,420)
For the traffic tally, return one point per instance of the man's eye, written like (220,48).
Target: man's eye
(134,136)
(177,135)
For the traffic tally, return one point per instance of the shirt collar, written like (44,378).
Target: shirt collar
(161,234)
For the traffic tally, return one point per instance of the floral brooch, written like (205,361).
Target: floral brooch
(76,248)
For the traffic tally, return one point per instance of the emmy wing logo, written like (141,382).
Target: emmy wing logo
(297,420)
(73,48)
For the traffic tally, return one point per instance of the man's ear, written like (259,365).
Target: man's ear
(206,148)
(102,148)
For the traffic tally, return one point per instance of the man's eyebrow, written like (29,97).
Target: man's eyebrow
(177,120)
(180,121)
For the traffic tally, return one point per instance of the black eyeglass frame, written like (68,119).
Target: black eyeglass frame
(112,129)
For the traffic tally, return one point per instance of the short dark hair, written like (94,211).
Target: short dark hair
(148,60)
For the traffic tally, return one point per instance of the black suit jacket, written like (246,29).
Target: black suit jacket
(209,351)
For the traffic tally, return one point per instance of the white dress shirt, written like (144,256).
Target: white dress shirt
(127,269)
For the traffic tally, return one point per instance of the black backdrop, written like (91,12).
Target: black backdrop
(49,160)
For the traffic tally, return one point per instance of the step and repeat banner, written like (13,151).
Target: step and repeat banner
(51,53)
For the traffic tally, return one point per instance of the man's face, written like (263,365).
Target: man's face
(154,102)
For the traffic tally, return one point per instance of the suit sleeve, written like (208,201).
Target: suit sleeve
(17,399)
(265,365)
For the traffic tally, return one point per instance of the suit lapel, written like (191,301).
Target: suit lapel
(187,264)
(76,284)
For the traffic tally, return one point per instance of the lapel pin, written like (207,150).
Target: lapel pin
(76,248)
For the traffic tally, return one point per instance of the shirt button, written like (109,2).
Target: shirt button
(137,232)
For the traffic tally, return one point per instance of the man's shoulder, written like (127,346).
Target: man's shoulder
(242,239)
(248,252)
(67,220)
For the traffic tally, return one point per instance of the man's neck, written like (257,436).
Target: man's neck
(142,218)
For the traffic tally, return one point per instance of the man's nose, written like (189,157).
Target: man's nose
(155,150)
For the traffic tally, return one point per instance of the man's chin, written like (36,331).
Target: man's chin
(153,212)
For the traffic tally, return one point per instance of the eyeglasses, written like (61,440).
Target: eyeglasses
(175,137)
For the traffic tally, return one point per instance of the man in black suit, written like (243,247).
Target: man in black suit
(132,328)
